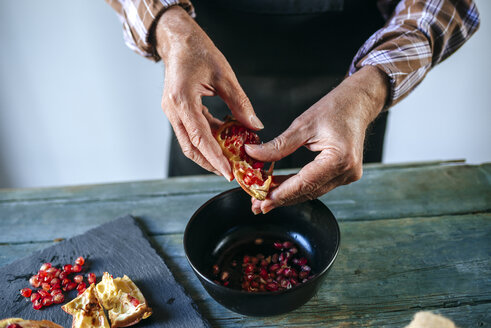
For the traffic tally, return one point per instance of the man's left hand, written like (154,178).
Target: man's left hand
(335,127)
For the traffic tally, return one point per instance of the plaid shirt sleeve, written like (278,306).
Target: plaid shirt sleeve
(418,35)
(139,18)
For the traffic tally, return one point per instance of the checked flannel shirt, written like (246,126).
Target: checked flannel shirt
(418,34)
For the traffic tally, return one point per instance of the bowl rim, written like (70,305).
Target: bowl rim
(241,292)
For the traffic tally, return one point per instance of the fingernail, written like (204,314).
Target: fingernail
(256,122)
(256,211)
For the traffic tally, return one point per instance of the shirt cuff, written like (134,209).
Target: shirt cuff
(139,20)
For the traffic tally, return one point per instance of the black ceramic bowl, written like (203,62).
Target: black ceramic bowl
(224,227)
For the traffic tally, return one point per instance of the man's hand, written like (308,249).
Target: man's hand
(194,68)
(335,126)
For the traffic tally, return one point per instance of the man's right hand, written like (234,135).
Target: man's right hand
(194,68)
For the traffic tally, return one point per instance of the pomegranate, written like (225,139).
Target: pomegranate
(249,173)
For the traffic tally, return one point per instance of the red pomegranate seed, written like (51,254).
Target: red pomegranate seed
(42,274)
(274,267)
(55,281)
(246,259)
(26,292)
(306,268)
(43,293)
(46,286)
(249,269)
(81,291)
(71,286)
(47,278)
(249,277)
(52,271)
(37,305)
(80,261)
(14,325)
(135,302)
(287,244)
(77,268)
(78,278)
(35,296)
(274,258)
(91,278)
(294,281)
(216,269)
(56,291)
(65,282)
(63,275)
(67,268)
(58,298)
(35,281)
(263,273)
(45,267)
(254,284)
(81,285)
(226,283)
(302,275)
(47,301)
(272,286)
(278,245)
(301,261)
(286,284)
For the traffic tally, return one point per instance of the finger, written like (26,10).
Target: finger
(189,150)
(314,179)
(231,92)
(277,180)
(200,135)
(283,145)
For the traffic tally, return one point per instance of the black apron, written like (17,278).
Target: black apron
(287,54)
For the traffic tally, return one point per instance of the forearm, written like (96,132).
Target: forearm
(419,35)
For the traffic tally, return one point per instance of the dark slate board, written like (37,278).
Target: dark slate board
(118,247)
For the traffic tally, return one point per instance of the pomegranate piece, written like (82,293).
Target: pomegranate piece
(80,261)
(26,292)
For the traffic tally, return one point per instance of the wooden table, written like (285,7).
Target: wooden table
(413,237)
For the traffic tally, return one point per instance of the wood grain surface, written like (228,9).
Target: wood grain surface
(414,237)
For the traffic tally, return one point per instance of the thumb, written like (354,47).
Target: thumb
(281,146)
(239,104)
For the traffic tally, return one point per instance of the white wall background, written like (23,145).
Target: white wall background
(77,107)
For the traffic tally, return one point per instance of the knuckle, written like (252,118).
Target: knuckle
(278,143)
(196,138)
(243,100)
(308,188)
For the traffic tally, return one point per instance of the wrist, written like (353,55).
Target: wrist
(173,27)
(371,87)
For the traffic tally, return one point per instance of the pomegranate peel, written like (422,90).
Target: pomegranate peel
(249,173)
(28,323)
(124,302)
(86,310)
